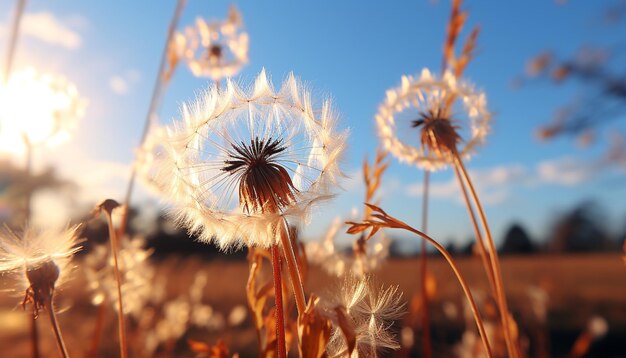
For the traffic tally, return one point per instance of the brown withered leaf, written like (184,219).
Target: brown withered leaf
(455,25)
(347,328)
(219,350)
(313,330)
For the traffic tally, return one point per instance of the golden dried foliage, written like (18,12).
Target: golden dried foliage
(313,330)
(372,175)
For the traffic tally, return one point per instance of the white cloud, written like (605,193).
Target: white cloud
(495,185)
(565,171)
(46,27)
(121,84)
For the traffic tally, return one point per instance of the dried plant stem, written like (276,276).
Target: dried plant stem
(461,279)
(495,263)
(15,29)
(55,327)
(118,279)
(278,293)
(292,267)
(423,263)
(484,255)
(97,333)
(152,108)
(34,336)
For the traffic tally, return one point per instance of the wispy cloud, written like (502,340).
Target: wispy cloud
(496,184)
(46,27)
(122,83)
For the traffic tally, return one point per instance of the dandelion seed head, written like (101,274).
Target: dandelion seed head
(215,49)
(241,160)
(39,258)
(421,122)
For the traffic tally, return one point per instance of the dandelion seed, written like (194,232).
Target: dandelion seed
(424,109)
(372,312)
(217,49)
(240,161)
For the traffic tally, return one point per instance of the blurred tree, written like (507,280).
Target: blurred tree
(18,185)
(580,230)
(517,241)
(599,72)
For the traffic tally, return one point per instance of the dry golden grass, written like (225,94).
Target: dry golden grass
(579,286)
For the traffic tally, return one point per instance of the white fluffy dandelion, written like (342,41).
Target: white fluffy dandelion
(372,312)
(42,258)
(31,250)
(216,49)
(138,275)
(337,262)
(423,121)
(242,160)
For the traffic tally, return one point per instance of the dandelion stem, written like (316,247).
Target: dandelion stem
(423,263)
(34,335)
(292,267)
(29,169)
(95,340)
(484,255)
(118,279)
(152,108)
(55,327)
(15,28)
(461,279)
(495,263)
(278,293)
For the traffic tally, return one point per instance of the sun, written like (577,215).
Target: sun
(37,109)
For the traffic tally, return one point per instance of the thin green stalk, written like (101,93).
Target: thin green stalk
(495,263)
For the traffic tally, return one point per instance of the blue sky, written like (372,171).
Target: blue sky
(351,52)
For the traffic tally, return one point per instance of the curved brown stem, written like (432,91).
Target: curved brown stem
(56,328)
(118,279)
(461,279)
(495,263)
(423,265)
(34,335)
(152,108)
(15,29)
(292,268)
(278,293)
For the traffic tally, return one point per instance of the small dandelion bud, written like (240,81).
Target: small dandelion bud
(42,281)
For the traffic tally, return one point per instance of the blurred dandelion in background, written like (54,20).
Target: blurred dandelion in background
(215,49)
(37,109)
(138,275)
(439,108)
(337,262)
